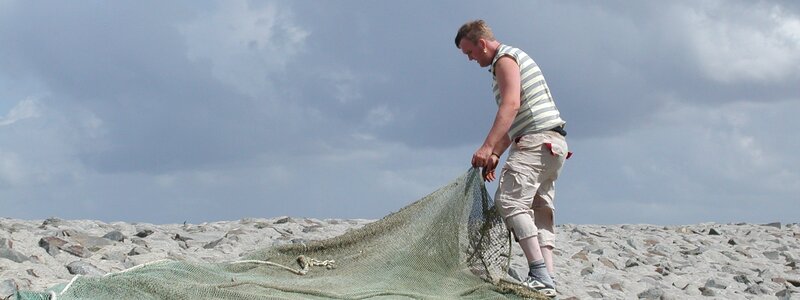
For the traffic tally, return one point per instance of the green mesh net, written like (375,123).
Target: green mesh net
(450,244)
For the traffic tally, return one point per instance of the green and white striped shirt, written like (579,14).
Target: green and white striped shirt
(537,111)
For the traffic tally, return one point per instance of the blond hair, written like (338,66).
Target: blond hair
(473,31)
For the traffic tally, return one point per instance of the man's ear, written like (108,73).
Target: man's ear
(482,43)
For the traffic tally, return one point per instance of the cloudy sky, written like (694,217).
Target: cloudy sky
(149,111)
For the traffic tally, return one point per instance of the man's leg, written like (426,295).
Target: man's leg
(517,188)
(547,255)
(544,211)
(525,230)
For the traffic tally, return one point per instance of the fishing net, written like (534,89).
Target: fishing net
(450,244)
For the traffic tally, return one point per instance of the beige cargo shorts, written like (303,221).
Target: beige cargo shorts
(527,185)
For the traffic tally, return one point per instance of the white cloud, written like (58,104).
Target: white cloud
(28,108)
(245,43)
(43,147)
(742,42)
(346,86)
(726,148)
(379,116)
(693,163)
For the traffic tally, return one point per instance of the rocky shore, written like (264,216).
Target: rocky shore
(701,261)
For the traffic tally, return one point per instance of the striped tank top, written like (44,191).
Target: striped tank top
(537,111)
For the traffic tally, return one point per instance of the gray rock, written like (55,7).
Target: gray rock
(235,232)
(595,294)
(6,243)
(312,228)
(616,286)
(652,293)
(631,262)
(32,273)
(52,244)
(262,225)
(8,287)
(581,256)
(587,271)
(695,251)
(283,220)
(144,233)
(635,244)
(213,244)
(92,243)
(115,256)
(52,221)
(713,231)
(774,224)
(756,289)
(784,294)
(608,263)
(183,245)
(741,278)
(77,250)
(715,283)
(138,251)
(730,255)
(180,238)
(794,282)
(518,272)
(708,292)
(660,250)
(13,255)
(772,255)
(139,242)
(115,235)
(693,290)
(83,268)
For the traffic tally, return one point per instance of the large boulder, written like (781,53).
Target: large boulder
(84,268)
(11,254)
(52,244)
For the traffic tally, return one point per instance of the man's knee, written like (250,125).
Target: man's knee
(522,225)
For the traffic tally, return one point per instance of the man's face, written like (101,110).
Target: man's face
(474,51)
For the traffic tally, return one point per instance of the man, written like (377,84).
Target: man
(528,121)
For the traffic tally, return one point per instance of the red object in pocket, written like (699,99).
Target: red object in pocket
(550,147)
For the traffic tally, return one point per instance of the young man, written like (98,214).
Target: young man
(527,120)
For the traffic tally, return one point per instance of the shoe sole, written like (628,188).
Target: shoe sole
(548,292)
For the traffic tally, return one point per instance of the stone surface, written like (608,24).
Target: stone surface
(84,268)
(144,233)
(13,255)
(7,288)
(115,235)
(652,293)
(52,244)
(740,261)
(77,250)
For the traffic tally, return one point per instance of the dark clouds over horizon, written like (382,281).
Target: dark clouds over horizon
(678,112)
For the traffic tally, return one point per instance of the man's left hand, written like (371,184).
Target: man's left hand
(488,170)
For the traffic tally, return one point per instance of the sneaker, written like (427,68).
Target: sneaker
(535,284)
